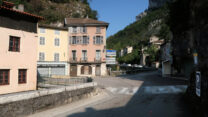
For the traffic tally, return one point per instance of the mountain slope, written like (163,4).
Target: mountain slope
(55,11)
(139,32)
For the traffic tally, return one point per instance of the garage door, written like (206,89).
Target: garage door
(58,71)
(43,71)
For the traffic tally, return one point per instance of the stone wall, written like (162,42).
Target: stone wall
(28,106)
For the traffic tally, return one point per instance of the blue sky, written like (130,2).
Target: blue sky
(119,13)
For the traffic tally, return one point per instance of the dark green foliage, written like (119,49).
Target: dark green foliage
(56,10)
(138,33)
(132,58)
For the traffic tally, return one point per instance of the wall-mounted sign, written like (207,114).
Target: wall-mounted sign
(111,53)
(198,83)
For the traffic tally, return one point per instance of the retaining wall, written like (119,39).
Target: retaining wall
(25,103)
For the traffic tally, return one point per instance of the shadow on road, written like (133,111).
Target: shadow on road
(157,97)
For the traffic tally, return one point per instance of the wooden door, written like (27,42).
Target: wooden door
(98,70)
(73,70)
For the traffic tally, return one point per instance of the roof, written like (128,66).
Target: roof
(84,21)
(8,7)
(52,27)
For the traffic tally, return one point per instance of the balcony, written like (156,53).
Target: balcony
(73,60)
(97,60)
(84,60)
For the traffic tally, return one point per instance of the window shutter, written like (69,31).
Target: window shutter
(77,37)
(88,39)
(94,40)
(70,40)
(70,29)
(80,40)
(78,29)
(101,39)
(81,29)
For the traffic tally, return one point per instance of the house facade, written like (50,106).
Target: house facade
(166,59)
(53,51)
(125,51)
(87,46)
(18,66)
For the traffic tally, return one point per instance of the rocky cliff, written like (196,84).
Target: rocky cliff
(158,3)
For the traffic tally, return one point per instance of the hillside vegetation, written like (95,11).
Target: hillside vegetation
(56,10)
(138,33)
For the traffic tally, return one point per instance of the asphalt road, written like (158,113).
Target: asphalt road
(139,95)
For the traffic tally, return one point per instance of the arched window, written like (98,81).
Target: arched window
(86,70)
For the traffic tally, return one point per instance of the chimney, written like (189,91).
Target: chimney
(21,7)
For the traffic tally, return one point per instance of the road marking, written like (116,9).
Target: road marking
(165,89)
(123,90)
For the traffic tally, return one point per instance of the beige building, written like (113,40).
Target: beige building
(125,51)
(18,51)
(154,40)
(53,50)
(87,46)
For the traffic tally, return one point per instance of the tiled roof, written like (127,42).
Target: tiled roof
(84,21)
(7,6)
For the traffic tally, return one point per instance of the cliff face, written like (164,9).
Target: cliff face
(158,3)
(189,24)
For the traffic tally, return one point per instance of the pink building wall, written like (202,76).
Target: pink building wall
(91,48)
(25,59)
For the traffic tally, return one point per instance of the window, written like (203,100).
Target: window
(83,29)
(42,40)
(84,54)
(74,29)
(98,39)
(57,32)
(79,40)
(98,54)
(85,40)
(56,57)
(4,77)
(56,42)
(73,55)
(98,29)
(86,70)
(14,44)
(22,76)
(42,30)
(41,56)
(74,40)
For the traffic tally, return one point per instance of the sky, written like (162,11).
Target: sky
(119,13)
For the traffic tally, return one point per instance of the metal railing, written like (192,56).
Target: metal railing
(97,60)
(84,60)
(73,60)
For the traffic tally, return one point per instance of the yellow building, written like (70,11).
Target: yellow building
(52,51)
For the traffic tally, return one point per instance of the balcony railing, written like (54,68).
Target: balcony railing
(84,60)
(73,60)
(97,60)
